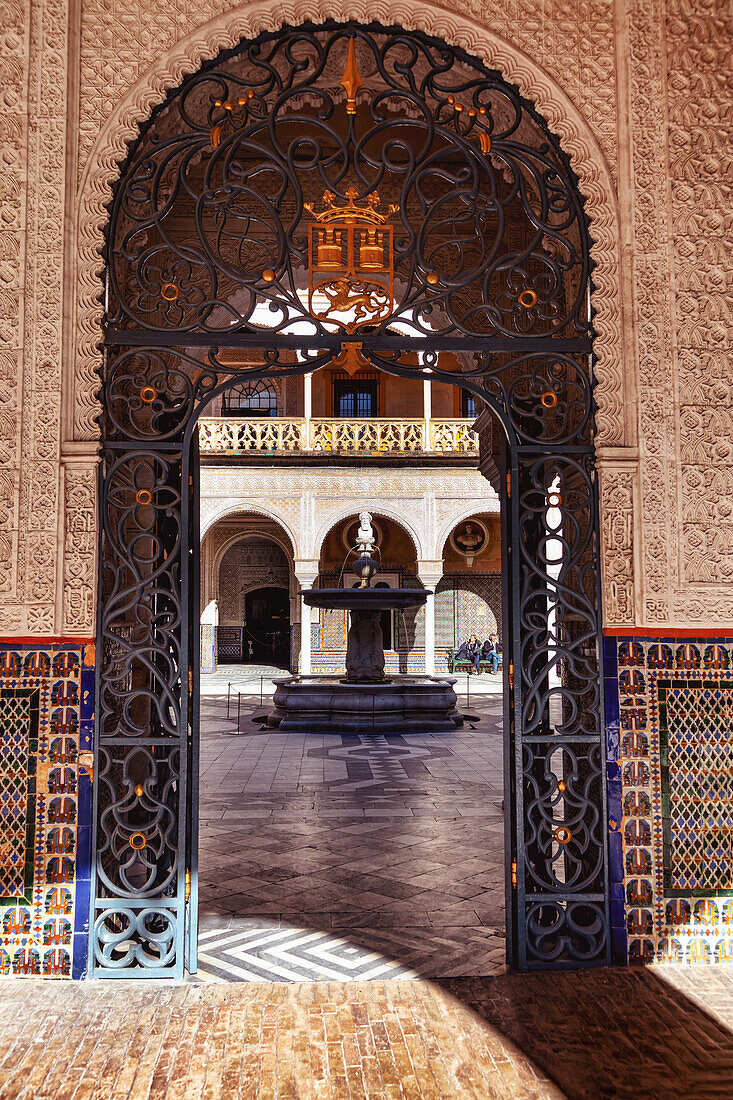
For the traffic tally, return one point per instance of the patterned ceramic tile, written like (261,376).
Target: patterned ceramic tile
(46,730)
(674,702)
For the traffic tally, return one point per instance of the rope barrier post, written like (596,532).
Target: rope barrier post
(468,689)
(239,703)
(262,681)
(229,689)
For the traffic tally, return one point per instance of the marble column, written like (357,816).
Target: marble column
(427,410)
(306,578)
(429,577)
(308,408)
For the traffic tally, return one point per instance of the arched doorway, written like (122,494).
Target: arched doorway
(247,571)
(372,199)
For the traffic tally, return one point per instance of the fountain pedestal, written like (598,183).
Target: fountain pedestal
(365,648)
(403,704)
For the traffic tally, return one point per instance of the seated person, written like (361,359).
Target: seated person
(471,651)
(492,651)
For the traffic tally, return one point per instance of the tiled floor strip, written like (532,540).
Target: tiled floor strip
(653,1034)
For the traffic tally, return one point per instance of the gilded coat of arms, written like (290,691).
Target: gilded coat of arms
(350,261)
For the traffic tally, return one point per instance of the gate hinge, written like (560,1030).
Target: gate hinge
(511,675)
(188,885)
(514,874)
(509,484)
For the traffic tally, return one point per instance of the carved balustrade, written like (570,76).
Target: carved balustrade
(218,435)
(221,436)
(453,436)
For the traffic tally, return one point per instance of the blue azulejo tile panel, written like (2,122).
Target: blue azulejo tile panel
(46,741)
(675,757)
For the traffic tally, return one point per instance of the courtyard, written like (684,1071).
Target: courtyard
(345,857)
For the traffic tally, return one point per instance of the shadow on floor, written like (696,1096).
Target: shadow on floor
(615,1033)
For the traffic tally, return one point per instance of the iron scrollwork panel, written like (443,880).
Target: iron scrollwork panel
(138,911)
(562,872)
(147,616)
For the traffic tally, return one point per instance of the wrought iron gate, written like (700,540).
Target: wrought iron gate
(370,197)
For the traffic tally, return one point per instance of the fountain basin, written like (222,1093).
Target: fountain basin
(403,704)
(366,599)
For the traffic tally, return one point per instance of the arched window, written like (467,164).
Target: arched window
(250,399)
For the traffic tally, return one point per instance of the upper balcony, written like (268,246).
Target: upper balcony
(368,437)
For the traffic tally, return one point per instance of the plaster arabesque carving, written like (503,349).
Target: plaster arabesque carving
(699,103)
(679,227)
(617,531)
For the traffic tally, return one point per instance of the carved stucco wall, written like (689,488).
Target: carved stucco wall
(637,92)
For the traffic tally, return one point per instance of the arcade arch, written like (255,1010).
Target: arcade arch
(247,575)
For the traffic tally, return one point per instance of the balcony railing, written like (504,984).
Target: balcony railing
(369,437)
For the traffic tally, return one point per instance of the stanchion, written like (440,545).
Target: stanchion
(262,681)
(239,701)
(229,689)
(468,689)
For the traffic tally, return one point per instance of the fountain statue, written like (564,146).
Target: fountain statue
(365,700)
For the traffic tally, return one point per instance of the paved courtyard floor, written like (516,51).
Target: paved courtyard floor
(644,1035)
(343,857)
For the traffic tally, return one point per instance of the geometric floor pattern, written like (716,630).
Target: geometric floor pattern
(330,857)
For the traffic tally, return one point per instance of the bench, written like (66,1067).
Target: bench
(455,663)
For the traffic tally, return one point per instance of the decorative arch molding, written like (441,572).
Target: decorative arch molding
(228,29)
(378,509)
(245,536)
(466,512)
(227,511)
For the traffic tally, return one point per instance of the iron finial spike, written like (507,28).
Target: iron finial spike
(351,80)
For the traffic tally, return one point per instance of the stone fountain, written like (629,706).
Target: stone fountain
(365,700)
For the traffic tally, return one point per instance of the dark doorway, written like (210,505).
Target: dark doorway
(267,627)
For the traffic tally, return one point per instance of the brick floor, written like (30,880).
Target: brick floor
(645,1034)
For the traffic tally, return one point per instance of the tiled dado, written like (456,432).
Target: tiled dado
(669,711)
(46,741)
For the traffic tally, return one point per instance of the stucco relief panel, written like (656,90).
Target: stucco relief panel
(13,225)
(700,106)
(618,493)
(574,42)
(652,306)
(33,111)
